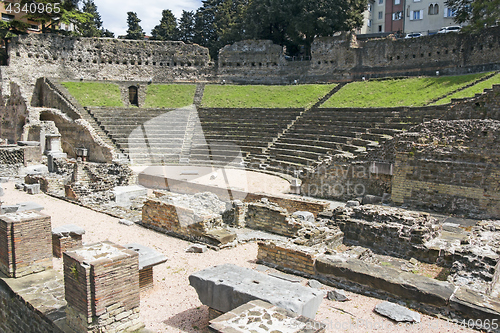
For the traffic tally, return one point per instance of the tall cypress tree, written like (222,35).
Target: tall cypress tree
(134,30)
(92,28)
(186,27)
(167,29)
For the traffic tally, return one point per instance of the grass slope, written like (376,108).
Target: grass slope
(234,96)
(471,91)
(95,93)
(398,92)
(169,95)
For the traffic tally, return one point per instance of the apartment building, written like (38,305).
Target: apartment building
(10,11)
(406,16)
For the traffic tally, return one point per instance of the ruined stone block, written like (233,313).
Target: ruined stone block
(25,243)
(65,238)
(225,287)
(101,288)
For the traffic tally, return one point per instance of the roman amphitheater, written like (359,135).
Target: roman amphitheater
(146,188)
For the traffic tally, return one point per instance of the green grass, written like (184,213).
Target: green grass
(94,93)
(169,95)
(471,91)
(234,96)
(398,92)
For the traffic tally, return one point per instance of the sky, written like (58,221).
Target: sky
(114,12)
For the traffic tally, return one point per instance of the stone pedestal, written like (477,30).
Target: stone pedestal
(65,238)
(53,150)
(147,259)
(102,288)
(25,243)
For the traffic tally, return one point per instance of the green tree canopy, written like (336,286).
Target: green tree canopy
(56,12)
(93,27)
(186,27)
(167,29)
(478,13)
(134,30)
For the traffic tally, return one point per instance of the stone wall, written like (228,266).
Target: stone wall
(271,218)
(452,167)
(72,58)
(14,114)
(343,58)
(19,316)
(295,258)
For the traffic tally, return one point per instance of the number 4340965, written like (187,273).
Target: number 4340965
(33,8)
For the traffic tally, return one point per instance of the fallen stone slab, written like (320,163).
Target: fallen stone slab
(476,305)
(148,257)
(352,203)
(337,295)
(225,287)
(29,205)
(307,218)
(265,317)
(68,230)
(123,194)
(403,284)
(283,276)
(39,169)
(4,179)
(197,248)
(314,284)
(126,222)
(32,188)
(397,312)
(19,186)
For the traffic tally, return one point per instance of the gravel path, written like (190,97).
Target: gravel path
(172,305)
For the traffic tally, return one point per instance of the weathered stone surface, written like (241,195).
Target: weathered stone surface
(226,287)
(197,248)
(32,188)
(36,170)
(352,203)
(123,194)
(29,205)
(397,312)
(371,199)
(307,218)
(126,222)
(4,180)
(262,317)
(148,257)
(68,230)
(403,284)
(337,295)
(314,284)
(475,305)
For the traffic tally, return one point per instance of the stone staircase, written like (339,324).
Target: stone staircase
(198,95)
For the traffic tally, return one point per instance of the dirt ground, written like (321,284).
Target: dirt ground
(173,306)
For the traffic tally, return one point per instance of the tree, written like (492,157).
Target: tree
(186,27)
(295,23)
(167,29)
(92,28)
(61,11)
(134,30)
(478,13)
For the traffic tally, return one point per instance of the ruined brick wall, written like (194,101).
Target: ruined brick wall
(297,258)
(485,106)
(25,243)
(19,316)
(271,218)
(163,216)
(71,58)
(452,167)
(345,179)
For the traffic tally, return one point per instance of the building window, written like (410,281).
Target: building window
(7,17)
(433,9)
(397,16)
(380,2)
(448,12)
(369,7)
(380,15)
(379,28)
(416,15)
(369,23)
(397,2)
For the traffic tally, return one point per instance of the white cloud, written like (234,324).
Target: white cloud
(114,13)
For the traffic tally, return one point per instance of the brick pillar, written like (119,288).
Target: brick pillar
(25,243)
(102,288)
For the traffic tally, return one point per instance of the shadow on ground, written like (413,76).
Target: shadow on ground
(194,320)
